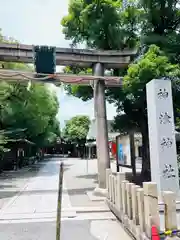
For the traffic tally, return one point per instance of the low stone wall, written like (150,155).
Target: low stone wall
(137,208)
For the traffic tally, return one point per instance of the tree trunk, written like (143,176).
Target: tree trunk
(145,172)
(133,157)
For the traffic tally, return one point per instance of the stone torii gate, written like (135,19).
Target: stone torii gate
(99,61)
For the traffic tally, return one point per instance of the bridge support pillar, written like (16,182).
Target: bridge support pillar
(101,128)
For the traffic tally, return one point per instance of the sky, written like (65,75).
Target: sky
(37,22)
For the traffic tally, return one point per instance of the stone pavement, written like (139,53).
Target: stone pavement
(80,180)
(31,214)
(11,182)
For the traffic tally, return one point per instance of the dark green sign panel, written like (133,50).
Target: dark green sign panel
(45,60)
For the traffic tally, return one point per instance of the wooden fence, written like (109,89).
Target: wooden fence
(137,208)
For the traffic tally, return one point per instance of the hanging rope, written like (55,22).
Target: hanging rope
(56,76)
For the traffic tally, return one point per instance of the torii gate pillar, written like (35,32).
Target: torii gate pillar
(101,128)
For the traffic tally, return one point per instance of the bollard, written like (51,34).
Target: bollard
(60,186)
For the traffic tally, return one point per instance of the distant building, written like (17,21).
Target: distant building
(91,138)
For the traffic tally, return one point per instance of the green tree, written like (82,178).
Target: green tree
(34,109)
(153,65)
(101,25)
(29,106)
(95,23)
(3,142)
(76,128)
(149,22)
(83,92)
(161,26)
(6,90)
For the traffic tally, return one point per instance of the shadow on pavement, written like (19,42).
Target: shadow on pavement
(2,186)
(52,170)
(94,177)
(79,191)
(8,194)
(11,182)
(33,170)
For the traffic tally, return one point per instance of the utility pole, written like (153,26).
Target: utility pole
(101,127)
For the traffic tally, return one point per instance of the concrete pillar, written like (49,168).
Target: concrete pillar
(101,126)
(151,209)
(135,204)
(115,190)
(110,187)
(129,200)
(163,156)
(120,177)
(108,173)
(89,152)
(170,215)
(124,197)
(141,215)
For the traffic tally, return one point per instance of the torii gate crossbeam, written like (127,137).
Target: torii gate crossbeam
(68,56)
(99,61)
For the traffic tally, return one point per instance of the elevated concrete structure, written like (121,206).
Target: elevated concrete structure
(67,56)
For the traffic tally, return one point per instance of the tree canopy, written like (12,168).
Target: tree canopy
(76,128)
(152,27)
(101,25)
(29,106)
(95,23)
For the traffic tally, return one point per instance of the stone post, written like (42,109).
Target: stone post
(115,190)
(141,215)
(108,172)
(120,177)
(135,204)
(169,199)
(124,197)
(151,209)
(101,127)
(163,156)
(110,187)
(129,200)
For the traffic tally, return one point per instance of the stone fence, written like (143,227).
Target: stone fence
(137,208)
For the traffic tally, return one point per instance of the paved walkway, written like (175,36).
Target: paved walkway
(31,214)
(11,182)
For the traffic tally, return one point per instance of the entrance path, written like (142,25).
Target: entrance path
(11,182)
(31,214)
